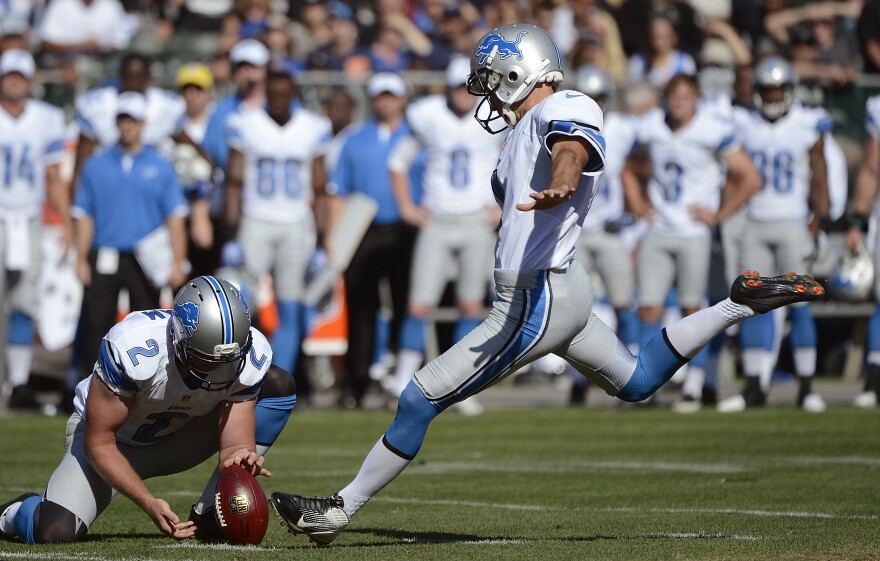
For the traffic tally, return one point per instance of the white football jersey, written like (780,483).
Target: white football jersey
(872,124)
(608,204)
(460,157)
(838,177)
(688,168)
(545,239)
(278,161)
(780,152)
(95,111)
(28,144)
(137,361)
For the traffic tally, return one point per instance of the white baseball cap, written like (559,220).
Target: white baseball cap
(457,71)
(132,104)
(249,51)
(386,82)
(17,60)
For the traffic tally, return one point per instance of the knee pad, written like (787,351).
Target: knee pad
(40,521)
(276,401)
(410,425)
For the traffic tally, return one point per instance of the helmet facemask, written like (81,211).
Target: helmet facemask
(487,83)
(774,110)
(215,372)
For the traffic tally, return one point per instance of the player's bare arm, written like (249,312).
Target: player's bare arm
(743,181)
(237,446)
(84,234)
(634,197)
(402,158)
(569,157)
(59,197)
(84,148)
(106,412)
(866,193)
(820,203)
(234,182)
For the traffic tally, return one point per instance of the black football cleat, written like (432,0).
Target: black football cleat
(321,519)
(207,529)
(763,294)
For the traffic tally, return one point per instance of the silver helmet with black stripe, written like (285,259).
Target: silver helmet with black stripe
(210,330)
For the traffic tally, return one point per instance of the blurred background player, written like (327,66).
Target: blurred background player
(95,112)
(690,150)
(125,194)
(31,147)
(786,144)
(457,216)
(598,249)
(269,181)
(385,252)
(169,390)
(865,203)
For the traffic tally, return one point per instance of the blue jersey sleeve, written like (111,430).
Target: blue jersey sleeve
(111,371)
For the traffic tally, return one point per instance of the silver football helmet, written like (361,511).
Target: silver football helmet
(853,278)
(211,333)
(774,72)
(596,84)
(506,65)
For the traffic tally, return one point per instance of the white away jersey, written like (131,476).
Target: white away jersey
(620,136)
(545,239)
(780,152)
(688,168)
(95,111)
(28,144)
(460,157)
(137,360)
(278,161)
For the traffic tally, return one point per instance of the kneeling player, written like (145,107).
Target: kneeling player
(170,389)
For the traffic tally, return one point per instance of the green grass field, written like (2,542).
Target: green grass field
(535,484)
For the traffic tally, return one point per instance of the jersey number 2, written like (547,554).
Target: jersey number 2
(147,432)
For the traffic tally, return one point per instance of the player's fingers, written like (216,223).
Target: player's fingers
(264,472)
(525,207)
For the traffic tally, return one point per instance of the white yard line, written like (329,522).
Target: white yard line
(742,512)
(702,535)
(58,556)
(220,547)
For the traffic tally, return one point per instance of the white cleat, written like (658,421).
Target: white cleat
(813,403)
(687,406)
(470,407)
(866,400)
(321,519)
(733,404)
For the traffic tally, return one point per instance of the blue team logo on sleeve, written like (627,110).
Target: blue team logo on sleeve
(188,314)
(506,49)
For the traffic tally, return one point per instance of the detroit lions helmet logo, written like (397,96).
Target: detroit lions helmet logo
(506,49)
(188,314)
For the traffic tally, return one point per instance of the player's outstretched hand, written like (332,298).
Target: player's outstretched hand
(165,519)
(548,198)
(249,461)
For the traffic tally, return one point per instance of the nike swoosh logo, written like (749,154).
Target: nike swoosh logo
(573,94)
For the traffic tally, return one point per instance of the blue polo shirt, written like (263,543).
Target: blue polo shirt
(363,168)
(214,142)
(127,202)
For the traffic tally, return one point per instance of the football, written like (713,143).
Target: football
(240,506)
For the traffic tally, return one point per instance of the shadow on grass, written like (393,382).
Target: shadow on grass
(403,537)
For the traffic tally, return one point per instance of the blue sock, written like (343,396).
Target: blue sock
(874,331)
(409,427)
(628,327)
(647,331)
(271,416)
(21,329)
(288,337)
(756,332)
(463,326)
(803,328)
(412,334)
(383,337)
(24,519)
(656,364)
(701,359)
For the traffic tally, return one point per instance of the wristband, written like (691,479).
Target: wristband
(859,221)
